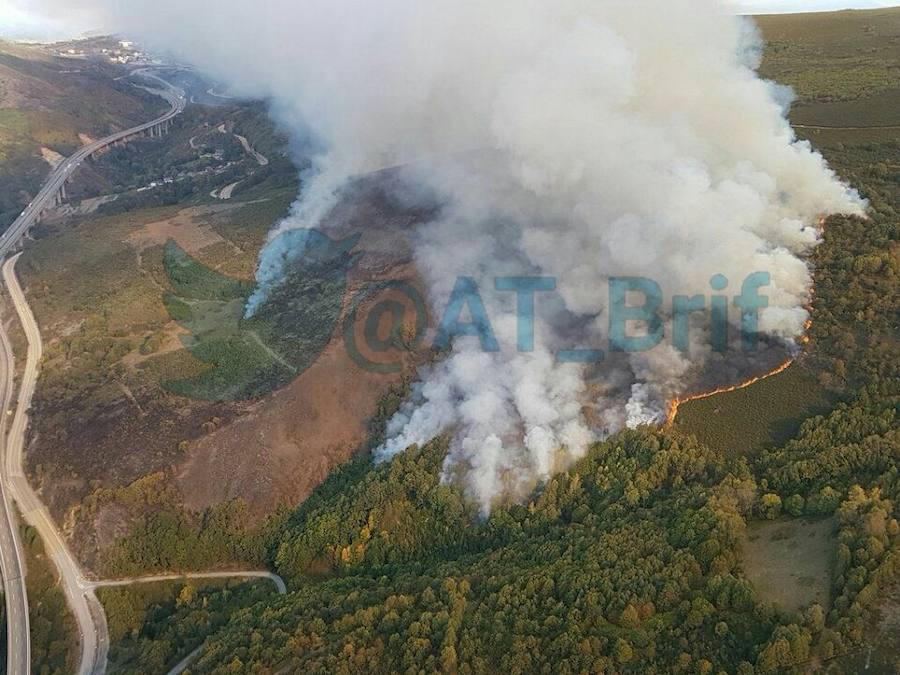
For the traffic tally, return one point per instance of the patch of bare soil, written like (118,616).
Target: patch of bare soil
(83,208)
(188,228)
(53,158)
(789,562)
(111,524)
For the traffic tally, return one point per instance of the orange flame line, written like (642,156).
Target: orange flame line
(678,402)
(675,404)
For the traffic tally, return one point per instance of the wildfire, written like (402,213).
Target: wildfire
(804,339)
(674,405)
(807,325)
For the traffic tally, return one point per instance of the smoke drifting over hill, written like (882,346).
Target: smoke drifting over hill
(576,139)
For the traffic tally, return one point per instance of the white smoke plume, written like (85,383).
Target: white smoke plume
(576,139)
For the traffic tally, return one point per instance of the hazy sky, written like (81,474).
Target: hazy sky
(19,23)
(16,22)
(781,6)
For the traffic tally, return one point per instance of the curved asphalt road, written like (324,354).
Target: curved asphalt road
(88,612)
(67,167)
(79,591)
(18,647)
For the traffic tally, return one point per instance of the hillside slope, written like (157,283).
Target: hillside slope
(634,560)
(48,107)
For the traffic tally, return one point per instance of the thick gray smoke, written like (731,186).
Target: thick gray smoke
(612,138)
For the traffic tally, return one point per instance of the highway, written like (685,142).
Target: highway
(79,591)
(54,183)
(18,647)
(80,595)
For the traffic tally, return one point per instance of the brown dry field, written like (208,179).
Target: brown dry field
(98,278)
(789,562)
(186,228)
(284,446)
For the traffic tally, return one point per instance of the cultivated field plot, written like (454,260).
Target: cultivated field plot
(789,562)
(839,57)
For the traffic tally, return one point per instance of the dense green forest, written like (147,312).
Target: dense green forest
(54,635)
(630,562)
(151,624)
